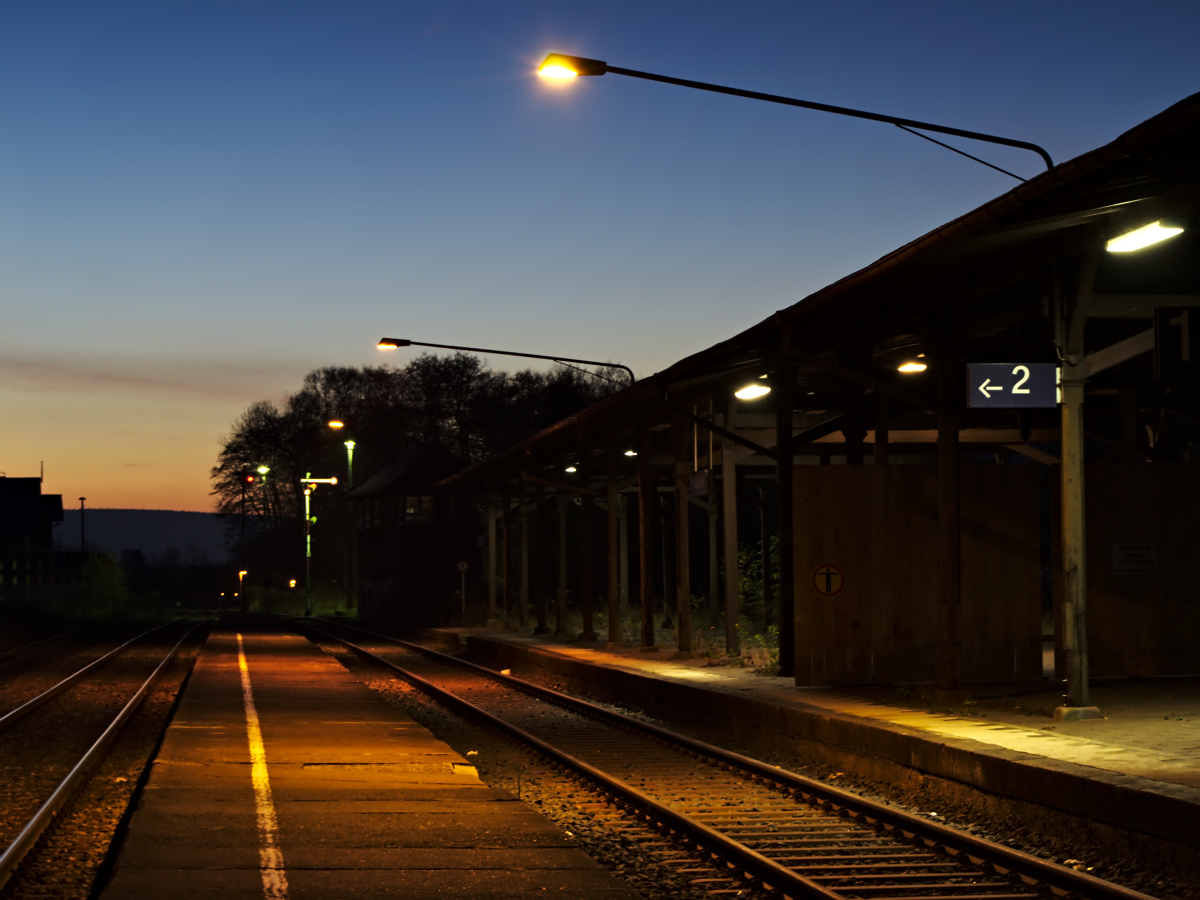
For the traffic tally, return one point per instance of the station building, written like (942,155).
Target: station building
(985,439)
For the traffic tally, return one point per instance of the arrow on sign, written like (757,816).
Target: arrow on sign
(983,388)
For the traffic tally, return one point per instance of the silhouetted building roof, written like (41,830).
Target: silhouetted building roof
(26,514)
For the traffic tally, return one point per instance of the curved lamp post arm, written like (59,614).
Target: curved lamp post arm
(581,66)
(387,343)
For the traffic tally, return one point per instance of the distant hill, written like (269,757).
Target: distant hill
(163,536)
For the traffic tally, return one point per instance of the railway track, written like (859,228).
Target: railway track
(776,829)
(51,744)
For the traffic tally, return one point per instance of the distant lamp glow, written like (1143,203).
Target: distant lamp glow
(912,367)
(631,453)
(752,392)
(292,583)
(1143,237)
(335,424)
(350,445)
(562,68)
(263,470)
(571,469)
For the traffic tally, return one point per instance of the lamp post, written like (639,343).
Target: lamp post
(338,425)
(393,343)
(560,66)
(310,485)
(82,530)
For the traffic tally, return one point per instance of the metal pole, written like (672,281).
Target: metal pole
(82,529)
(307,553)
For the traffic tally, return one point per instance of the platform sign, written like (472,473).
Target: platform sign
(1012,385)
(1175,354)
(828,580)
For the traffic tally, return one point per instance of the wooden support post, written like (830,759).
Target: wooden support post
(646,501)
(783,387)
(539,560)
(881,430)
(730,549)
(614,551)
(491,558)
(714,558)
(950,581)
(684,465)
(562,502)
(523,600)
(506,554)
(587,585)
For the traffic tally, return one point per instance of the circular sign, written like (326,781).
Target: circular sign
(828,580)
(462,565)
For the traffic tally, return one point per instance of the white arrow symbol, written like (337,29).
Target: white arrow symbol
(983,388)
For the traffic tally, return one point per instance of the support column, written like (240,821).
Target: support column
(1074,541)
(523,600)
(491,558)
(623,553)
(506,554)
(646,500)
(950,581)
(613,522)
(684,464)
(539,560)
(784,388)
(1074,523)
(586,581)
(730,549)
(881,430)
(714,559)
(562,501)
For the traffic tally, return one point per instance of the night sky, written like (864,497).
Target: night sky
(201,202)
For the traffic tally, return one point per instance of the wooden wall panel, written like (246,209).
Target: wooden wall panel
(879,525)
(1143,623)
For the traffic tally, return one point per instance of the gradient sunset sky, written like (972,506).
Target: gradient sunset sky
(201,202)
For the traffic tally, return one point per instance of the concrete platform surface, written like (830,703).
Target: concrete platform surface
(342,796)
(1139,767)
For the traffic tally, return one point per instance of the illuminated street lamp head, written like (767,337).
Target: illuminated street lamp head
(913,366)
(752,391)
(263,470)
(350,445)
(336,424)
(562,68)
(392,343)
(1143,237)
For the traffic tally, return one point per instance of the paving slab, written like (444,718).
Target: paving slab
(347,797)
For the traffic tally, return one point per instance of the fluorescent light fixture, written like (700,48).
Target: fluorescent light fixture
(752,392)
(912,367)
(1143,237)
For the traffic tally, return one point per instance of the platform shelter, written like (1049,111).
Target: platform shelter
(988,435)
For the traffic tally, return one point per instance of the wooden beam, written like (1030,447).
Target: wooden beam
(560,485)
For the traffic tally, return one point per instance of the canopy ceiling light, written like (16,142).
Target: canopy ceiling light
(1143,237)
(913,366)
(752,391)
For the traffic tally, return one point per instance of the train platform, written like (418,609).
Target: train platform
(1138,768)
(281,775)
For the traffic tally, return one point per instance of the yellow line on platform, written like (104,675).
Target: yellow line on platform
(274,878)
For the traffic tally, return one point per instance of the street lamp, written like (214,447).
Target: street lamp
(562,67)
(393,343)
